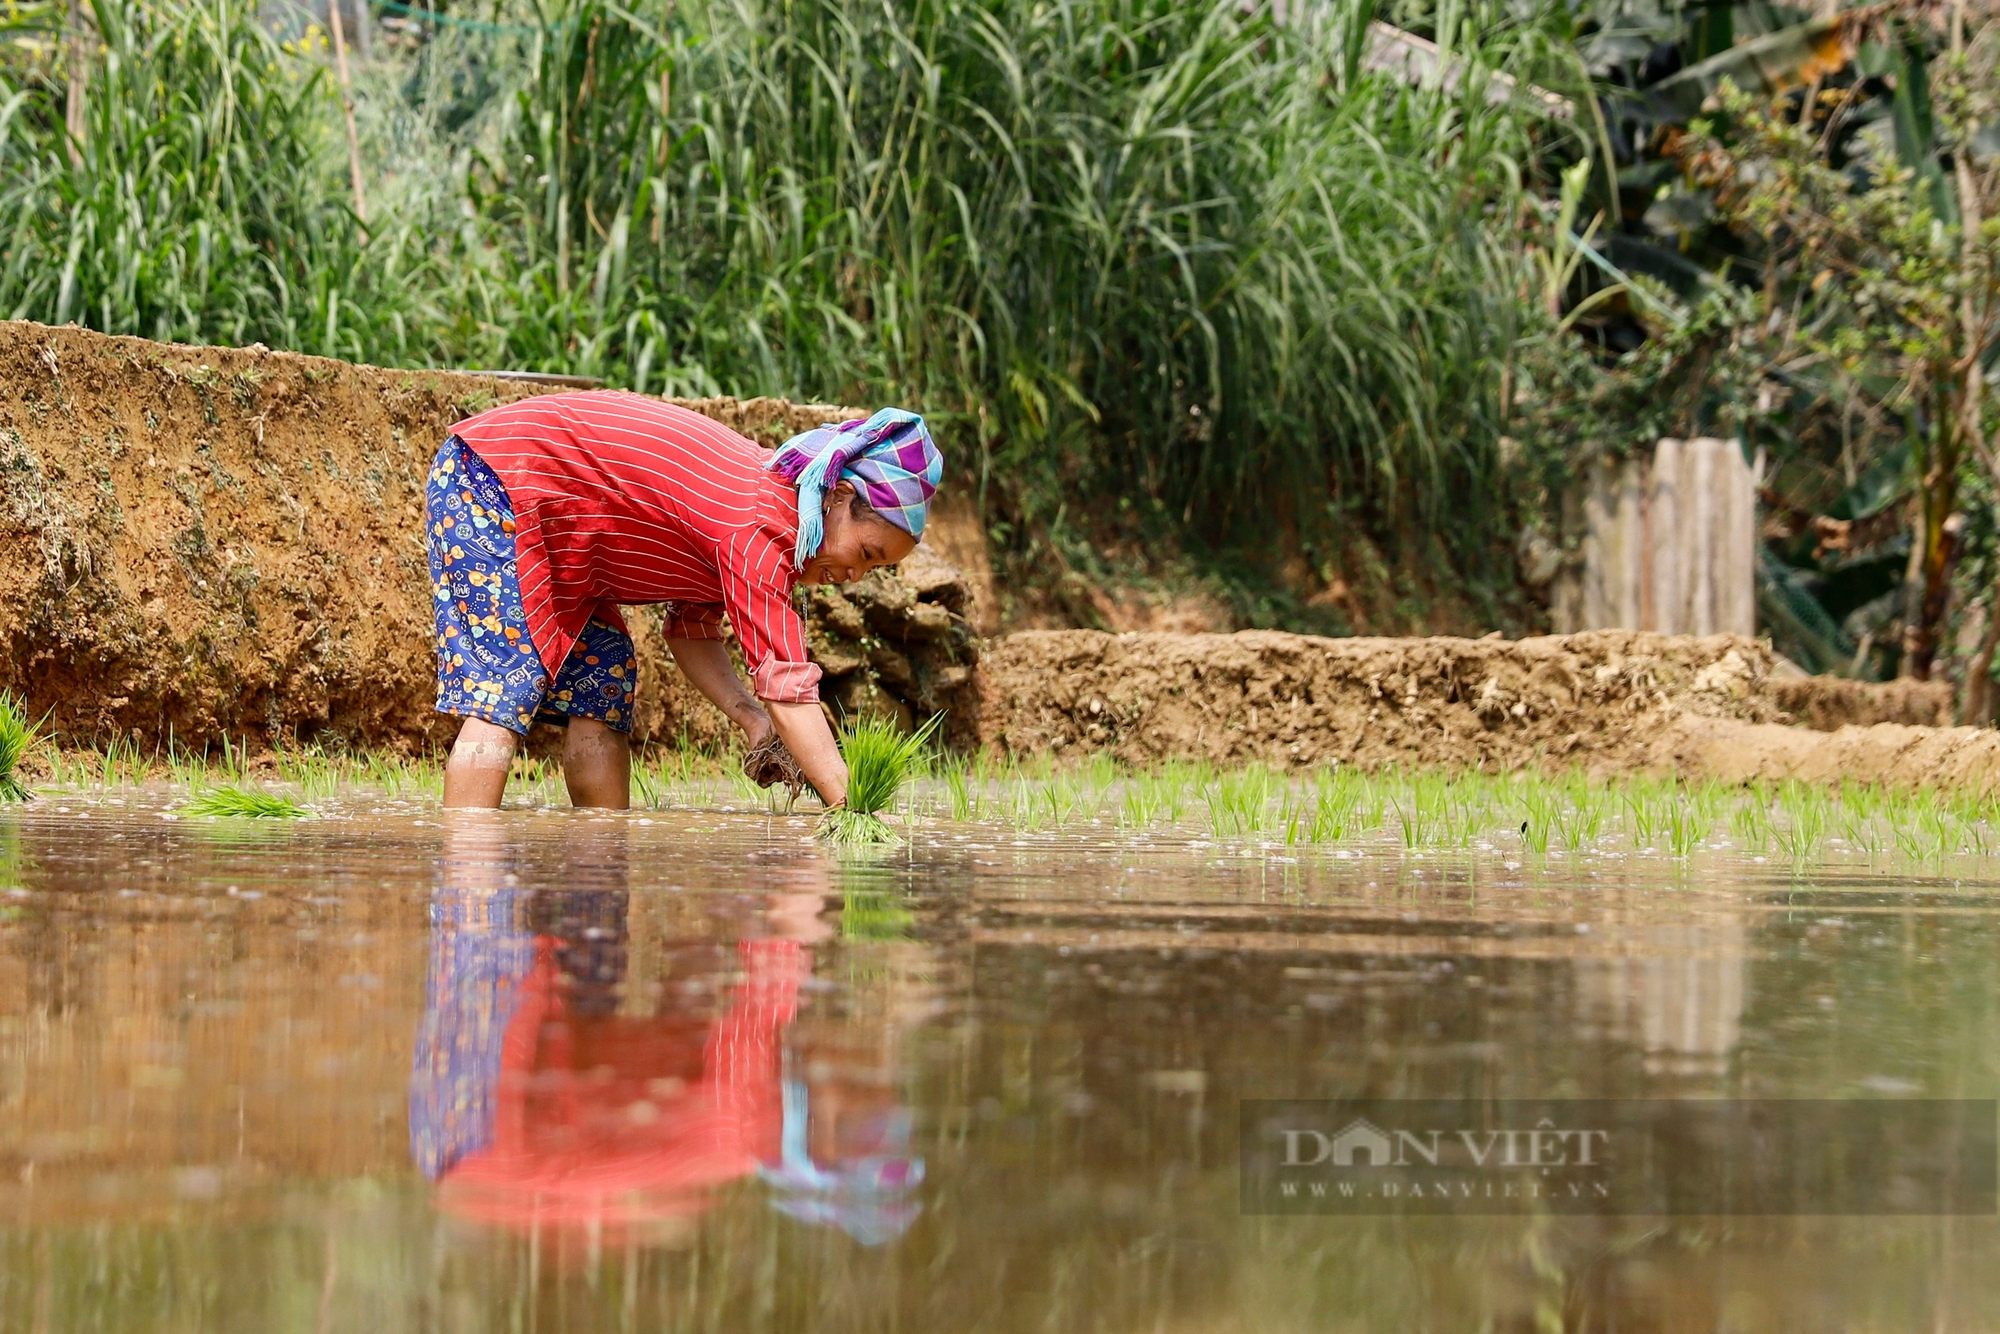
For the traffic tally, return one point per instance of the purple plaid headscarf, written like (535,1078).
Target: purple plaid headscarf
(890,458)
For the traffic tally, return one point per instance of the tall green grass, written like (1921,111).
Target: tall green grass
(1169,252)
(1169,248)
(205,201)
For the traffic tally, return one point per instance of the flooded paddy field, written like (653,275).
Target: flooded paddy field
(681,1069)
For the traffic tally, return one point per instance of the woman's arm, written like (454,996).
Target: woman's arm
(706,663)
(803,726)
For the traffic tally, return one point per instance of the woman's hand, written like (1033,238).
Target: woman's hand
(705,662)
(756,727)
(810,739)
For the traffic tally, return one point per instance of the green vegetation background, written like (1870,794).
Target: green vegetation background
(1155,264)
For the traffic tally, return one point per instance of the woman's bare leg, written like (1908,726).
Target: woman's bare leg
(476,773)
(597,765)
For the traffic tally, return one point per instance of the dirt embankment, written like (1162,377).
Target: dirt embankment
(200,540)
(1604,700)
(196,541)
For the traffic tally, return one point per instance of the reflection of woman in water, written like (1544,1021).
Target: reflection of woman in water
(533,1100)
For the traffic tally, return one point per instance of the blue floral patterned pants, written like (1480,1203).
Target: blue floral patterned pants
(487,664)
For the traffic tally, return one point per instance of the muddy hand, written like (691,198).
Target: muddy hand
(770,763)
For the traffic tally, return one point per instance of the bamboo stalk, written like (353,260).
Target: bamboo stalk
(333,9)
(76,118)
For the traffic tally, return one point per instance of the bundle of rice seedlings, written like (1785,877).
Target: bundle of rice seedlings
(16,735)
(243,803)
(878,760)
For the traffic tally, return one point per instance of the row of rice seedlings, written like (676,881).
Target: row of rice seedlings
(1570,813)
(1795,821)
(687,777)
(317,773)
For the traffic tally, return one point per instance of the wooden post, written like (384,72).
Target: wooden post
(347,109)
(1631,546)
(1736,553)
(1701,536)
(1670,547)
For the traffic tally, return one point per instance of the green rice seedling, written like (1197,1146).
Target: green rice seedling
(1925,832)
(316,773)
(1542,809)
(426,774)
(1579,813)
(1750,822)
(1373,806)
(1410,819)
(1802,837)
(647,783)
(879,759)
(1336,800)
(1025,810)
(120,764)
(1139,802)
(1856,816)
(744,788)
(1223,817)
(960,798)
(228,801)
(64,771)
(1711,798)
(1643,812)
(235,766)
(184,767)
(17,737)
(1061,797)
(1171,794)
(1099,776)
(1684,824)
(1239,802)
(1579,826)
(1294,816)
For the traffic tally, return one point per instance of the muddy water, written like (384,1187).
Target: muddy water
(544,1071)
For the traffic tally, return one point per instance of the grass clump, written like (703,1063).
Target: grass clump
(243,803)
(17,734)
(878,759)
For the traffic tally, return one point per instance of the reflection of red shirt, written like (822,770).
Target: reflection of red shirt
(620,1120)
(622,498)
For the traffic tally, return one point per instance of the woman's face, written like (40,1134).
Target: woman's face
(854,546)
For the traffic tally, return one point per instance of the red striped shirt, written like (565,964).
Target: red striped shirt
(620,498)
